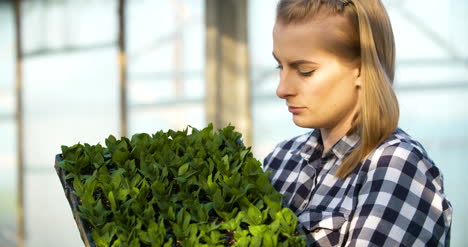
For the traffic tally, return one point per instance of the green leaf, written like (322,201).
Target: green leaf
(78,188)
(223,166)
(202,214)
(135,242)
(187,218)
(118,243)
(170,213)
(64,149)
(67,165)
(178,231)
(153,229)
(136,180)
(254,215)
(102,240)
(218,198)
(256,241)
(269,239)
(180,216)
(288,215)
(119,157)
(113,205)
(242,237)
(111,143)
(99,208)
(116,177)
(274,226)
(243,154)
(167,244)
(258,230)
(140,139)
(122,194)
(215,237)
(183,169)
(273,202)
(212,187)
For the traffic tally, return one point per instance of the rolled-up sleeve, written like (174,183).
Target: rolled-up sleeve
(401,202)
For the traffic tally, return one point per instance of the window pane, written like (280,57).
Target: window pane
(48,214)
(7,183)
(7,129)
(166,65)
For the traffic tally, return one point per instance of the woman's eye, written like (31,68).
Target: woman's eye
(306,73)
(280,67)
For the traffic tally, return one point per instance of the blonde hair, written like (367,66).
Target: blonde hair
(370,41)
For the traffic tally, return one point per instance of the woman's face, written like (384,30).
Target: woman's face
(320,89)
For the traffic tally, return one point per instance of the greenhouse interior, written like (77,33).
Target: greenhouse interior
(80,71)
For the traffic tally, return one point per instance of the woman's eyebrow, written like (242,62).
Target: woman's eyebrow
(295,63)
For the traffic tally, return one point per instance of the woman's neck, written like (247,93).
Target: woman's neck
(330,136)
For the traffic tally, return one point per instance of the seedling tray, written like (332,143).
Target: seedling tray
(173,188)
(73,201)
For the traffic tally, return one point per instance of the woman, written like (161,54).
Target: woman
(356,179)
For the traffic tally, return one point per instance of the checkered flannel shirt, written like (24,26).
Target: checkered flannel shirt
(394,198)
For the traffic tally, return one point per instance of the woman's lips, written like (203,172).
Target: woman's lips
(296,110)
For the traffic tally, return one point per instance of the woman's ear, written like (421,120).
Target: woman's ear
(358,82)
(357,74)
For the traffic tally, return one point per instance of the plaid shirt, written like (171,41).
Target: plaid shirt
(395,198)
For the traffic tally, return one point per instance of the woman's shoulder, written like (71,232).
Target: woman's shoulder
(400,172)
(402,152)
(402,140)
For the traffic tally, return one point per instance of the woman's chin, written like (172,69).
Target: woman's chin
(302,122)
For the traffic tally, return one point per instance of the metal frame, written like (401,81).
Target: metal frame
(122,68)
(227,99)
(19,130)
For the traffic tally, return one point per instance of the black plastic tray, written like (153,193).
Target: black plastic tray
(73,201)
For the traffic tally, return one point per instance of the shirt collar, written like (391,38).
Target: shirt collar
(345,145)
(314,145)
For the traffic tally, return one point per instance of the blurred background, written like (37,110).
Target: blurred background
(79,70)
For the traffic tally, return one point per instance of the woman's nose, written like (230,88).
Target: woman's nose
(284,89)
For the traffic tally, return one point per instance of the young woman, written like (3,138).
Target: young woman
(356,179)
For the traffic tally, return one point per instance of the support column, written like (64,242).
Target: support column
(122,69)
(20,229)
(227,66)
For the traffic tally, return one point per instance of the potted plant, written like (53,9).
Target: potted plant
(174,188)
